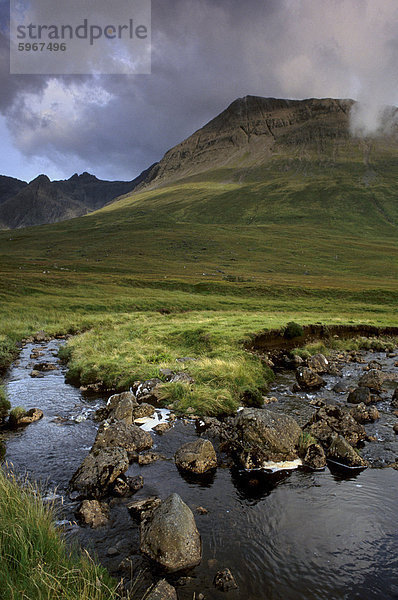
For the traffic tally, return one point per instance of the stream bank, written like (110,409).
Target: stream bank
(291,535)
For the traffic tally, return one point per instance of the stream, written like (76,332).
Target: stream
(296,535)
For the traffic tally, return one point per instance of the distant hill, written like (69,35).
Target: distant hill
(43,201)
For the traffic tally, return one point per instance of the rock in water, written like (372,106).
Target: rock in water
(93,513)
(263,435)
(318,363)
(360,395)
(98,471)
(341,451)
(170,536)
(315,457)
(365,414)
(25,418)
(196,457)
(120,407)
(373,380)
(162,591)
(225,581)
(309,379)
(130,437)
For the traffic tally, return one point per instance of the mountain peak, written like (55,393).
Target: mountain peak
(251,130)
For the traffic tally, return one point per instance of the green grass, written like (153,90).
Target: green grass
(35,563)
(196,267)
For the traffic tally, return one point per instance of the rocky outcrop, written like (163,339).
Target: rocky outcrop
(196,457)
(342,452)
(308,379)
(98,471)
(170,537)
(263,436)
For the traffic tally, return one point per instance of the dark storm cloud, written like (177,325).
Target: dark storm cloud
(206,53)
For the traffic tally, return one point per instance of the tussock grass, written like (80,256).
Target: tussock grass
(35,563)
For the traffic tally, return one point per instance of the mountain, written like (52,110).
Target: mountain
(252,130)
(44,201)
(273,191)
(9,187)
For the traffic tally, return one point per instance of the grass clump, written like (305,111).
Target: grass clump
(15,414)
(306,440)
(293,330)
(35,562)
(4,403)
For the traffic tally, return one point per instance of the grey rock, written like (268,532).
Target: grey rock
(196,457)
(162,591)
(373,380)
(93,513)
(118,434)
(98,471)
(170,537)
(120,407)
(263,435)
(308,379)
(341,451)
(361,395)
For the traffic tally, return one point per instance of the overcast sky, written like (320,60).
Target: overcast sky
(205,54)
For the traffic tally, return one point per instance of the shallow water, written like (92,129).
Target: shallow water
(287,536)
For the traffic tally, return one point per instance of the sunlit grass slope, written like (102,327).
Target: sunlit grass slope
(228,252)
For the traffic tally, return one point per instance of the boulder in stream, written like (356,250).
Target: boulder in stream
(21,418)
(318,363)
(170,537)
(361,395)
(44,366)
(225,581)
(308,379)
(162,591)
(93,513)
(130,437)
(373,380)
(196,457)
(98,471)
(263,436)
(342,452)
(365,414)
(120,407)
